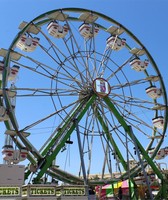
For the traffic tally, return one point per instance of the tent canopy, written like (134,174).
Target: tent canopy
(122,184)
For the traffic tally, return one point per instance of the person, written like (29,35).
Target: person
(147,194)
(92,195)
(120,193)
(91,191)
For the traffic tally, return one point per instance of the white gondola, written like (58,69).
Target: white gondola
(1,69)
(139,65)
(7,153)
(13,102)
(139,180)
(13,72)
(153,92)
(152,177)
(158,122)
(88,31)
(151,152)
(160,154)
(166,151)
(3,114)
(27,44)
(56,30)
(115,43)
(12,95)
(19,155)
(23,154)
(16,156)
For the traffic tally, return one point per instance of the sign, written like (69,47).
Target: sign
(50,191)
(101,87)
(74,191)
(9,191)
(38,191)
(42,191)
(71,191)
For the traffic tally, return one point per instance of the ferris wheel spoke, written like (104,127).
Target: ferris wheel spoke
(51,115)
(74,51)
(56,143)
(62,57)
(37,67)
(130,100)
(94,122)
(140,126)
(63,77)
(91,56)
(110,138)
(104,61)
(120,135)
(132,83)
(119,68)
(88,140)
(75,61)
(34,92)
(128,129)
(110,142)
(130,116)
(102,145)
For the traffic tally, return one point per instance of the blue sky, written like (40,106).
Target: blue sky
(147,19)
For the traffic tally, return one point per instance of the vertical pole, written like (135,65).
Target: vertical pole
(141,163)
(81,156)
(128,166)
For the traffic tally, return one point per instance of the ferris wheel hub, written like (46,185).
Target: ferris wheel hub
(101,87)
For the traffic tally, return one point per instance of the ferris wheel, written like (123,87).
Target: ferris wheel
(81,98)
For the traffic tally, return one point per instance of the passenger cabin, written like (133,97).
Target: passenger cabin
(158,122)
(115,43)
(13,72)
(151,151)
(153,92)
(27,43)
(23,154)
(56,30)
(20,155)
(166,151)
(88,31)
(1,69)
(139,65)
(3,114)
(152,177)
(7,153)
(141,180)
(161,154)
